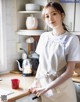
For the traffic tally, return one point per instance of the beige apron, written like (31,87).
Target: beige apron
(52,65)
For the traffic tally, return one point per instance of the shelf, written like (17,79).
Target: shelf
(29,11)
(30,32)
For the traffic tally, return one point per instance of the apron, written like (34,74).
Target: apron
(52,65)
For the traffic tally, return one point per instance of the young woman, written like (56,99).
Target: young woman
(58,51)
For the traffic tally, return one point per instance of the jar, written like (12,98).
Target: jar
(31,23)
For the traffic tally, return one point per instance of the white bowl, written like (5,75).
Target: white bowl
(32,7)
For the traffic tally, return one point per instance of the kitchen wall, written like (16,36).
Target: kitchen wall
(9,12)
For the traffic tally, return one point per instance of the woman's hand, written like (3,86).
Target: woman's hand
(34,86)
(33,90)
(40,91)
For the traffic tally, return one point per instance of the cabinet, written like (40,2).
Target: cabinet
(72,10)
(69,9)
(77,17)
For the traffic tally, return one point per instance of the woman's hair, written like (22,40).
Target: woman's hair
(57,7)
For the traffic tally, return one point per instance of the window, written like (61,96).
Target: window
(0,32)
(2,40)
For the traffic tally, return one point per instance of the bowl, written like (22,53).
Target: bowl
(32,7)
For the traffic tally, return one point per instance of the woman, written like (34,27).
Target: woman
(58,53)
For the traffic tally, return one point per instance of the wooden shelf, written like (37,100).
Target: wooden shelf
(30,32)
(29,11)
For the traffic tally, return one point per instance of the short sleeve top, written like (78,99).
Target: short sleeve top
(72,44)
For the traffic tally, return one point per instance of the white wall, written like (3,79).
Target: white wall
(10,32)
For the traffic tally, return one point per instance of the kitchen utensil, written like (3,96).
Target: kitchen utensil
(26,67)
(28,64)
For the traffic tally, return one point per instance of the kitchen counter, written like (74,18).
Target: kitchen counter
(76,79)
(76,75)
(25,82)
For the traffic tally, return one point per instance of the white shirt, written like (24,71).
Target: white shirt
(72,44)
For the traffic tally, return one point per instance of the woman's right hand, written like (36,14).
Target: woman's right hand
(33,90)
(33,87)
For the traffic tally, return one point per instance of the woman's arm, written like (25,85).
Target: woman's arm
(67,74)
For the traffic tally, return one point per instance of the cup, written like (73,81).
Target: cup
(15,83)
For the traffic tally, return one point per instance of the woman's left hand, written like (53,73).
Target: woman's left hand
(40,91)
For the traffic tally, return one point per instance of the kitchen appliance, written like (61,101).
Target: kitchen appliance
(34,61)
(28,63)
(26,67)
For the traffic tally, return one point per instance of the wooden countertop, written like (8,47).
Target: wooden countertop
(25,82)
(76,79)
(76,75)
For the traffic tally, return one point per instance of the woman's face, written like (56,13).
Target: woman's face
(53,18)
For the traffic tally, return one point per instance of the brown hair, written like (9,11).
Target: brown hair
(56,6)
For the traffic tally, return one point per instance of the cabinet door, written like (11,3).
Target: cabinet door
(77,17)
(69,17)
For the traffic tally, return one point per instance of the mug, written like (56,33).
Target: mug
(15,83)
